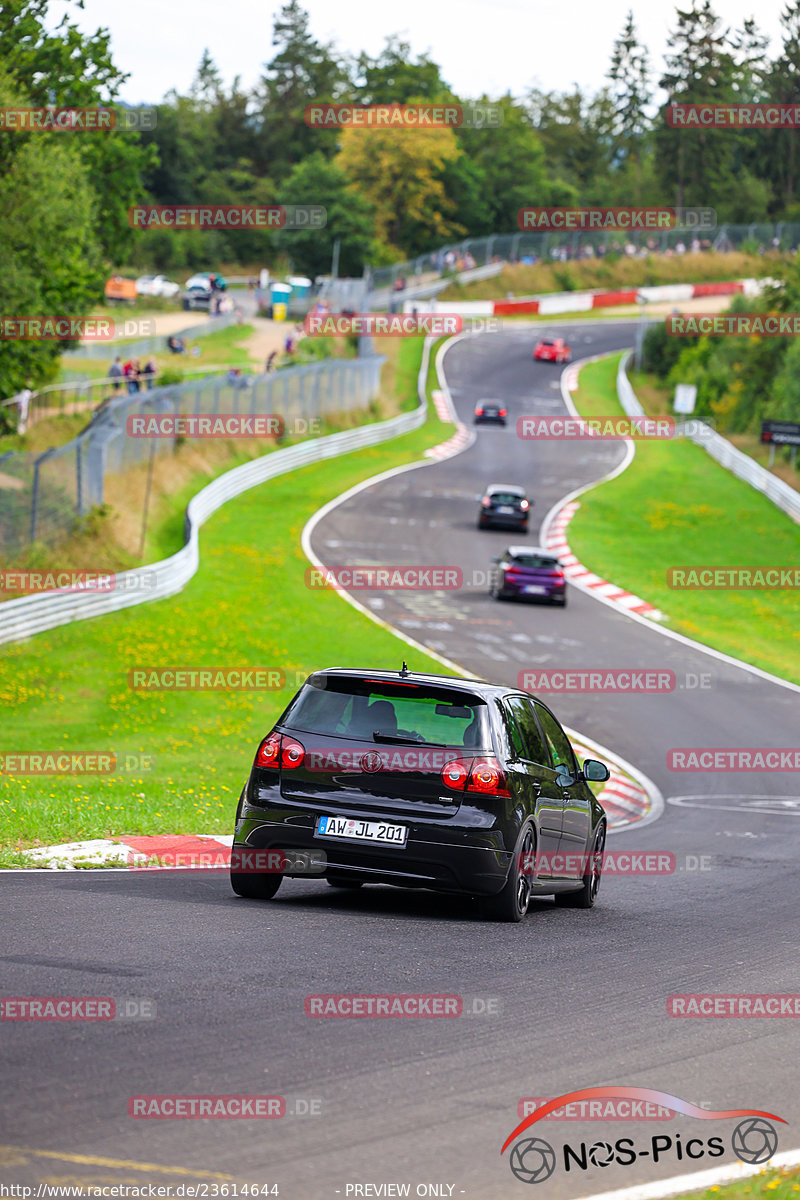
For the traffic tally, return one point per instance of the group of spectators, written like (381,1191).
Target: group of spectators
(132,374)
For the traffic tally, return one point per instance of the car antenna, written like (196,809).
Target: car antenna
(404,671)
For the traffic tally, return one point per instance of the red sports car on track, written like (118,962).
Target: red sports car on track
(552,350)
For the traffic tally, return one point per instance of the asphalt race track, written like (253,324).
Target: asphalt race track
(565,1000)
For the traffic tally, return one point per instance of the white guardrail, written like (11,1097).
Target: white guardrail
(725,453)
(29,615)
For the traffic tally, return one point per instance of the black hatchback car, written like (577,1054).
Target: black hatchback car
(422,781)
(504,506)
(488,413)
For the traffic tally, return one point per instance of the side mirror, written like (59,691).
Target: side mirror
(564,777)
(594,771)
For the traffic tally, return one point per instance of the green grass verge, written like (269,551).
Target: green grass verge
(777,1185)
(248,606)
(673,507)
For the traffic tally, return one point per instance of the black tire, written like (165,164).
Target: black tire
(341,881)
(586,896)
(255,886)
(496,593)
(511,904)
(561,602)
(481,524)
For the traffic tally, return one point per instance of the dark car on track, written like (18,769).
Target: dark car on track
(487,413)
(422,781)
(529,573)
(504,506)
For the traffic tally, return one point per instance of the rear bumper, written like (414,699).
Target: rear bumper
(451,860)
(510,519)
(518,589)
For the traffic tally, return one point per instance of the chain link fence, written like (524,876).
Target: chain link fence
(548,247)
(43,497)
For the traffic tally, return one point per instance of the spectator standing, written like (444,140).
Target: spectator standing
(115,373)
(23,400)
(149,373)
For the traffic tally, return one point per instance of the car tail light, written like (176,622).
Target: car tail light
(269,751)
(275,750)
(524,505)
(487,777)
(292,753)
(502,413)
(558,576)
(478,412)
(482,775)
(486,502)
(455,774)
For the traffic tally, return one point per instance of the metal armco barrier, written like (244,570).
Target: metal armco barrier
(725,453)
(29,615)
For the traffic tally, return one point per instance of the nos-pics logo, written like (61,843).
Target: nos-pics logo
(533,1160)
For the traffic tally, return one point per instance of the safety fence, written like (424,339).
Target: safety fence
(28,615)
(466,255)
(44,496)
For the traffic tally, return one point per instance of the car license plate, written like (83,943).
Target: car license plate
(362,831)
(535,589)
(505,508)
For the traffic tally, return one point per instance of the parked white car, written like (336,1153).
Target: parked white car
(156,285)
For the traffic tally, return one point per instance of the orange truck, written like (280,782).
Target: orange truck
(118,288)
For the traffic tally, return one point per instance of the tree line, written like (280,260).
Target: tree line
(389,194)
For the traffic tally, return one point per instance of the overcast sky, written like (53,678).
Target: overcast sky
(481,45)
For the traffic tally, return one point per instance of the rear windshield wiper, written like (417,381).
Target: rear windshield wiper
(378,736)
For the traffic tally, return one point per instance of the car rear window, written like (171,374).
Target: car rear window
(355,708)
(505,497)
(539,561)
(546,342)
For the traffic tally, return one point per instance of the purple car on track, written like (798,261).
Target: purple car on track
(528,572)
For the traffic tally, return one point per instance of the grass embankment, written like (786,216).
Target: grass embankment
(676,507)
(612,272)
(110,539)
(656,399)
(777,1185)
(247,607)
(223,348)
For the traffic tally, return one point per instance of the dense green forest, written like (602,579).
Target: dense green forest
(389,194)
